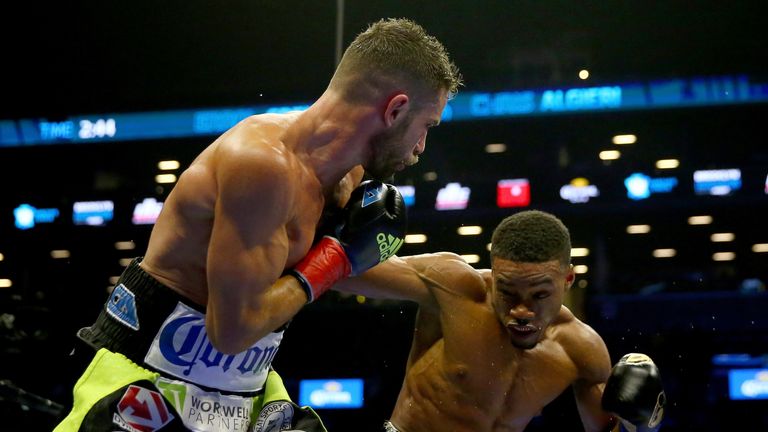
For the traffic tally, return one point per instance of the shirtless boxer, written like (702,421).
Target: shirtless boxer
(187,337)
(493,347)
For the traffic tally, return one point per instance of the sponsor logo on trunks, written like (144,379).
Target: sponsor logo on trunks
(181,348)
(390,427)
(274,417)
(388,245)
(122,307)
(204,411)
(141,410)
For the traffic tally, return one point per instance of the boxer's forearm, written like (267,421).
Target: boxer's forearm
(233,330)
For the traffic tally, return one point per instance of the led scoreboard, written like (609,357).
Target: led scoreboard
(671,93)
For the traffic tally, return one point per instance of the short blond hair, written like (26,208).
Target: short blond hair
(395,51)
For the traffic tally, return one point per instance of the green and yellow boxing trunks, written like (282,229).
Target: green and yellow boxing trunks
(115,393)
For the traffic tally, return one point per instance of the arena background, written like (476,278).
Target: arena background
(698,310)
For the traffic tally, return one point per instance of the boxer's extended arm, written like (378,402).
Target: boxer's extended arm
(594,365)
(248,250)
(409,278)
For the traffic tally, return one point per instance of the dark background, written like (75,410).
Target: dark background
(97,57)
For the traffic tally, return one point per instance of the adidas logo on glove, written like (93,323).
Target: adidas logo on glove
(388,245)
(371,229)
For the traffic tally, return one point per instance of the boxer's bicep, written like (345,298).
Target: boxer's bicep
(588,395)
(593,362)
(247,251)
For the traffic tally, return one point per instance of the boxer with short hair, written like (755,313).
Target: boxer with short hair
(189,333)
(492,347)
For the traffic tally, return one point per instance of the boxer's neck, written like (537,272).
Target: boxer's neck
(334,136)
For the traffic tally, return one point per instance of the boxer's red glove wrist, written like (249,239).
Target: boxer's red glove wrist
(324,265)
(371,230)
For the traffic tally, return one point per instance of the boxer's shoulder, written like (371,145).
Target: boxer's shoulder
(452,273)
(246,175)
(269,120)
(260,133)
(583,345)
(256,146)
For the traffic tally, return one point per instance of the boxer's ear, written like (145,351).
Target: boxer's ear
(396,109)
(570,277)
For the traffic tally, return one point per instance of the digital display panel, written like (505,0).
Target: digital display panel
(705,91)
(146,212)
(331,393)
(513,193)
(717,182)
(640,186)
(26,216)
(409,195)
(748,384)
(579,191)
(95,213)
(453,196)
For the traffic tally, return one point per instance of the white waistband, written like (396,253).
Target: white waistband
(181,349)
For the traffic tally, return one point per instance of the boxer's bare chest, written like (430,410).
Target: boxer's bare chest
(311,208)
(300,229)
(511,385)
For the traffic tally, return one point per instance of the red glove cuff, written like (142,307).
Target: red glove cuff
(324,265)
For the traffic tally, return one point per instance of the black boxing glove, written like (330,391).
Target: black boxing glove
(372,229)
(635,394)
